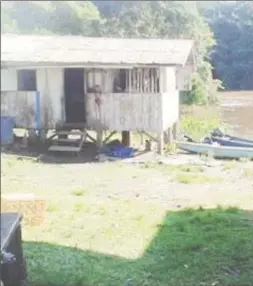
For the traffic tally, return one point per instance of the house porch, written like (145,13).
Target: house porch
(142,99)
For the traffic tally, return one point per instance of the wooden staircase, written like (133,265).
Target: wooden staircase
(69,138)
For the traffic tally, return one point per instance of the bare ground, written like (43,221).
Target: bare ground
(232,183)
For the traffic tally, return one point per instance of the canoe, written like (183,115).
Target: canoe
(216,151)
(217,133)
(224,141)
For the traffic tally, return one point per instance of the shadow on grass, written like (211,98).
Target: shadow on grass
(192,247)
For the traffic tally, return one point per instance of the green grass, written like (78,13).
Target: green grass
(184,173)
(229,165)
(244,160)
(248,172)
(125,243)
(78,192)
(168,169)
(185,178)
(53,207)
(101,230)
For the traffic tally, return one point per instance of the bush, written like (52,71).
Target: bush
(204,87)
(198,128)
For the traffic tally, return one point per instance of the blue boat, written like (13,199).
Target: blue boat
(232,140)
(225,141)
(216,151)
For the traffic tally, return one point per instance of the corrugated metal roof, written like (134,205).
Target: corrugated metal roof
(78,49)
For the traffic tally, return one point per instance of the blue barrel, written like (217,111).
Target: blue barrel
(7,124)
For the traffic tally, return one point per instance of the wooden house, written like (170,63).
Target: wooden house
(98,84)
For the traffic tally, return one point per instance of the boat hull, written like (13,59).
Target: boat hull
(216,151)
(232,142)
(218,134)
(240,139)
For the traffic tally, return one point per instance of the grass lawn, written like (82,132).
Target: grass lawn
(124,243)
(113,224)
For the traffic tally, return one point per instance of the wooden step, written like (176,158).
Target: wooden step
(67,140)
(66,132)
(72,136)
(58,148)
(77,125)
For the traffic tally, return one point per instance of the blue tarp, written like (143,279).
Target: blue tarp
(119,151)
(7,124)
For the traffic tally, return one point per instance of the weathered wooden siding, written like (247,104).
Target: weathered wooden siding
(109,79)
(21,105)
(170,108)
(170,97)
(151,112)
(103,78)
(8,80)
(124,111)
(184,77)
(167,79)
(50,84)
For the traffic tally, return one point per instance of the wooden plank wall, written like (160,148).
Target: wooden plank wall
(124,111)
(8,80)
(21,105)
(184,77)
(50,84)
(170,108)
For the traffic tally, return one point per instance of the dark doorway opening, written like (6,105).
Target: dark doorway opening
(74,95)
(119,84)
(27,80)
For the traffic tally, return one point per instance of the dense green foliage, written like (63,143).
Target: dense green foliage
(157,19)
(60,17)
(232,24)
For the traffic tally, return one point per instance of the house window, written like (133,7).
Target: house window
(95,80)
(140,80)
(26,80)
(145,80)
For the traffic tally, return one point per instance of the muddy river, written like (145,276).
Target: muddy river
(237,111)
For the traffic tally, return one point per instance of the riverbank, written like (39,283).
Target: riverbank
(234,112)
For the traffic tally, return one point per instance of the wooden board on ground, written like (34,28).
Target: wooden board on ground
(31,207)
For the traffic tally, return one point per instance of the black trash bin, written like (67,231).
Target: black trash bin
(13,266)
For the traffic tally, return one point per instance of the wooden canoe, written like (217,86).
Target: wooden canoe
(226,141)
(216,151)
(219,134)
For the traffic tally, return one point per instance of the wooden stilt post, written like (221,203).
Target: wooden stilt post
(43,135)
(99,138)
(126,140)
(175,130)
(160,143)
(168,138)
(142,138)
(32,135)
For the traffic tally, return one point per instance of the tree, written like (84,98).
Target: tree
(232,57)
(8,23)
(60,17)
(170,19)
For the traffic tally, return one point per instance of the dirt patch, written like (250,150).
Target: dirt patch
(117,180)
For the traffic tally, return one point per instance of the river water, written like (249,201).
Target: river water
(237,110)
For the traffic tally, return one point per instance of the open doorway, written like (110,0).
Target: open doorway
(74,95)
(120,81)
